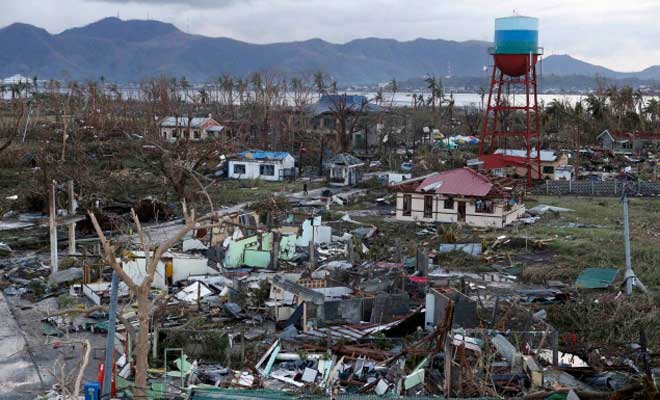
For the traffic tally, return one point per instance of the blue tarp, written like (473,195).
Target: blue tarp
(263,155)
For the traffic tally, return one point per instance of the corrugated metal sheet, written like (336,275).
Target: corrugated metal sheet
(546,155)
(596,278)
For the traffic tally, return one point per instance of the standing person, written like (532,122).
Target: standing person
(305,188)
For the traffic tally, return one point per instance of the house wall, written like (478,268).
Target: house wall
(561,160)
(167,133)
(497,219)
(252,170)
(182,268)
(606,142)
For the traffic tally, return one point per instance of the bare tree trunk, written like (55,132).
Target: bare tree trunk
(142,343)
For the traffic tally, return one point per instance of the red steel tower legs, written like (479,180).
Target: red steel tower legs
(508,125)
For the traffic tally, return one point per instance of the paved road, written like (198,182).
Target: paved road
(19,379)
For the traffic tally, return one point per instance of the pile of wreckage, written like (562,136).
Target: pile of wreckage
(296,307)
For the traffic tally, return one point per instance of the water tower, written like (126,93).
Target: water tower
(511,119)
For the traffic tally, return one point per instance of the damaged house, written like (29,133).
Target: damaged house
(554,165)
(459,195)
(628,142)
(173,128)
(364,132)
(345,170)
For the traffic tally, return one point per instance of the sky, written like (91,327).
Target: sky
(618,34)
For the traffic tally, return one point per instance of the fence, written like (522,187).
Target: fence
(597,188)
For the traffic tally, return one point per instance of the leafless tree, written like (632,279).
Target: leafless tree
(141,290)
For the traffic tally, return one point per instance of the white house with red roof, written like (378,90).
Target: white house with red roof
(460,195)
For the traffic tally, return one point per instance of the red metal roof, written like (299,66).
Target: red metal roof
(495,161)
(636,135)
(462,181)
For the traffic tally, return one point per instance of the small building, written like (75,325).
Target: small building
(509,162)
(365,132)
(460,195)
(628,142)
(258,164)
(345,170)
(174,128)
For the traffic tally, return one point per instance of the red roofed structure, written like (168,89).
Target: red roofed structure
(460,195)
(628,142)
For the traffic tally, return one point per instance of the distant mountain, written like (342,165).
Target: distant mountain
(566,65)
(129,51)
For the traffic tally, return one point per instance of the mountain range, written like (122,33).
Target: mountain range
(129,51)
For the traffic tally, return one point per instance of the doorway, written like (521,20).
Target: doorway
(461,211)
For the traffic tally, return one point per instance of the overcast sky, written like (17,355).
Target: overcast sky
(619,34)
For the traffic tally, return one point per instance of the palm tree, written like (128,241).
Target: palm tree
(394,87)
(435,87)
(319,83)
(652,109)
(556,110)
(482,95)
(597,107)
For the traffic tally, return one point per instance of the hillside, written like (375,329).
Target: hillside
(129,51)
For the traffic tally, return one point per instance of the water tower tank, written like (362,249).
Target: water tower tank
(516,44)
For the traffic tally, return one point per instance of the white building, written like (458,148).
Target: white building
(174,128)
(458,195)
(266,165)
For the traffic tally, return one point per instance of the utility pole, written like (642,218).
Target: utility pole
(629,277)
(72,225)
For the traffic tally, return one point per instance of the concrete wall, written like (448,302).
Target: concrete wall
(182,268)
(168,133)
(465,309)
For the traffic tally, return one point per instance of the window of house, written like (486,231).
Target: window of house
(407,205)
(549,169)
(428,206)
(239,168)
(267,170)
(449,204)
(175,134)
(484,206)
(196,134)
